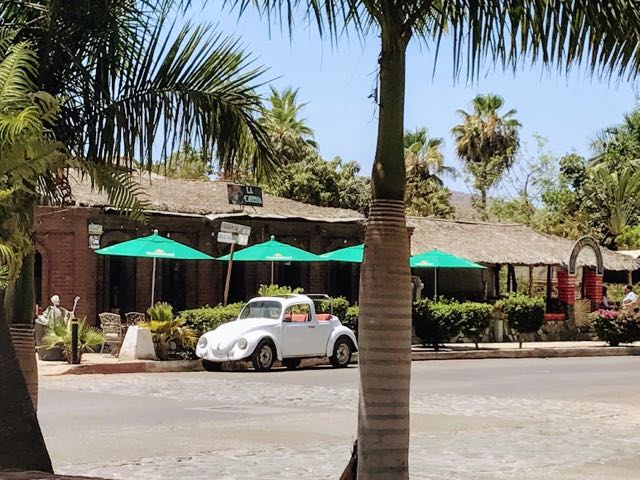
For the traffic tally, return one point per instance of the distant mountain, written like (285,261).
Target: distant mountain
(464,210)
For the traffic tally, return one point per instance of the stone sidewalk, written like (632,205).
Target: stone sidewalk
(93,363)
(15,475)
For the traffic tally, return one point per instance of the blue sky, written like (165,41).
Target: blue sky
(335,83)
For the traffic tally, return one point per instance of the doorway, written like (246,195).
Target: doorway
(121,288)
(174,284)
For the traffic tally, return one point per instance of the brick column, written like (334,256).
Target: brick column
(566,287)
(593,287)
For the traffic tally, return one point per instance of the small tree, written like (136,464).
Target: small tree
(525,314)
(475,318)
(436,322)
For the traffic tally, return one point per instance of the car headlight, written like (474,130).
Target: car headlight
(242,344)
(202,342)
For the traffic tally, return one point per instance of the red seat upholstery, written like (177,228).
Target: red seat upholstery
(323,317)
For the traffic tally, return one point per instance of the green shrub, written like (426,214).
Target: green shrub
(524,314)
(169,334)
(204,319)
(275,290)
(436,322)
(339,304)
(475,318)
(350,318)
(615,327)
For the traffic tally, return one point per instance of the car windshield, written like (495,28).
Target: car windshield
(261,309)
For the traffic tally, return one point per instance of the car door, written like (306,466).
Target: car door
(300,332)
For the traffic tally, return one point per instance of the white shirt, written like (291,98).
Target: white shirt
(630,297)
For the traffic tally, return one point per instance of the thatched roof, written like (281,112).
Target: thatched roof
(493,244)
(209,199)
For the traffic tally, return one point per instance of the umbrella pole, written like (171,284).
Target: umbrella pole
(271,273)
(435,284)
(153,282)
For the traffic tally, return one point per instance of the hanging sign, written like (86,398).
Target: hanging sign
(235,228)
(244,195)
(233,238)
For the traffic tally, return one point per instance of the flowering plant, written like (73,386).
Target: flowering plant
(616,327)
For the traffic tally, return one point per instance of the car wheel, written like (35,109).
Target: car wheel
(211,366)
(341,353)
(291,363)
(263,356)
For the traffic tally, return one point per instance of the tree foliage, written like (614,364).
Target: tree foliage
(332,183)
(486,141)
(28,151)
(425,193)
(290,136)
(187,163)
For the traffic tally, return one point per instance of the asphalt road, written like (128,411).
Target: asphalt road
(565,418)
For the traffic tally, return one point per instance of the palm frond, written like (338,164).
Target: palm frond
(121,188)
(193,84)
(603,36)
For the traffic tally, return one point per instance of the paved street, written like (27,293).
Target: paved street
(565,418)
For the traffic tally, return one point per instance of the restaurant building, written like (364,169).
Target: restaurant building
(191,212)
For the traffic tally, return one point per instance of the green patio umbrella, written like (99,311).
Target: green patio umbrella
(352,254)
(437,259)
(154,246)
(273,251)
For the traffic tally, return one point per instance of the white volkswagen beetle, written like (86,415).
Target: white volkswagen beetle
(283,328)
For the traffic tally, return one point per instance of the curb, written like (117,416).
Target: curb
(528,353)
(416,356)
(131,367)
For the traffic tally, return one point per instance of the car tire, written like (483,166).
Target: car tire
(291,363)
(211,366)
(263,356)
(342,351)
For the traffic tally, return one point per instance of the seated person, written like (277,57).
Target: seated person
(604,302)
(630,300)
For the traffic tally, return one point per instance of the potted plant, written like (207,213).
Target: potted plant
(59,336)
(170,334)
(52,350)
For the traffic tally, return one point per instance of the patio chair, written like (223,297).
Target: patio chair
(111,325)
(133,318)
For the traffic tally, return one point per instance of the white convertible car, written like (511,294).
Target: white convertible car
(283,328)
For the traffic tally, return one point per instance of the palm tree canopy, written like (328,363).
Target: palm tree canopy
(424,160)
(560,34)
(133,81)
(486,135)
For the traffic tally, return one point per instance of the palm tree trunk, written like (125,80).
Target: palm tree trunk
(21,444)
(19,306)
(385,286)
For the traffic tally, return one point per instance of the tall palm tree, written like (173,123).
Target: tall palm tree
(616,194)
(560,33)
(487,142)
(423,157)
(425,193)
(132,84)
(292,138)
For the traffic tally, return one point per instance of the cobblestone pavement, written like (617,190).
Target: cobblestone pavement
(505,420)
